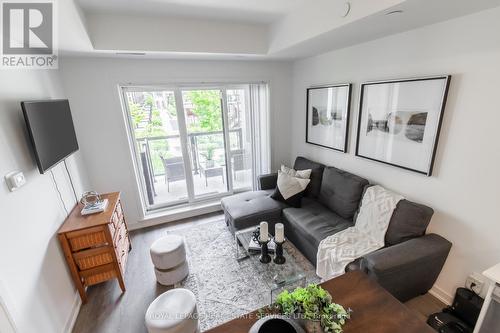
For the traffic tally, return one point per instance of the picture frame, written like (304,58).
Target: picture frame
(400,121)
(327,116)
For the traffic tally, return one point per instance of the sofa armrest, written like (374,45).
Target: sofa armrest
(408,269)
(268,181)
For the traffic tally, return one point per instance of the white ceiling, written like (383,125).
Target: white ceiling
(280,29)
(415,14)
(249,11)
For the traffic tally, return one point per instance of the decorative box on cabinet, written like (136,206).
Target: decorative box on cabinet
(96,246)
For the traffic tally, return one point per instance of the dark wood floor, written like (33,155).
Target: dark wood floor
(110,311)
(425,305)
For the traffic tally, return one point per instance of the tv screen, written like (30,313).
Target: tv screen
(51,131)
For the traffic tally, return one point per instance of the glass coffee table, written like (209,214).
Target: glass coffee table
(289,275)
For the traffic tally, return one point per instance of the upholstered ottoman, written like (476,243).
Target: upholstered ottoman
(169,258)
(247,209)
(173,312)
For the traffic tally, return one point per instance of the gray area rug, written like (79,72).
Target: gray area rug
(224,287)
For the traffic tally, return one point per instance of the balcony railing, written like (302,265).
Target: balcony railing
(153,148)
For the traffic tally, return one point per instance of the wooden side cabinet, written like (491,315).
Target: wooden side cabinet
(96,246)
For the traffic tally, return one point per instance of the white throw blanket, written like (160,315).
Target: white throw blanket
(337,251)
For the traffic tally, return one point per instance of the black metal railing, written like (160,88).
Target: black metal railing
(148,147)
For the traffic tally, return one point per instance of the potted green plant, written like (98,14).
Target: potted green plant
(208,154)
(312,306)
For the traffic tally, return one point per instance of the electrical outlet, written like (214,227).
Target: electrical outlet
(475,283)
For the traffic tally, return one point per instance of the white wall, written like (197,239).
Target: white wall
(122,32)
(34,281)
(92,87)
(464,188)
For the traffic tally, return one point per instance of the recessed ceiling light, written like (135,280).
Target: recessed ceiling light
(398,11)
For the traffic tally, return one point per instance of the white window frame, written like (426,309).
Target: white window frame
(177,89)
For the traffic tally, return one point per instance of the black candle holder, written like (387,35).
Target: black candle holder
(264,258)
(279,259)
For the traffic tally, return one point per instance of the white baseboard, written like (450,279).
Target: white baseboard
(441,295)
(75,309)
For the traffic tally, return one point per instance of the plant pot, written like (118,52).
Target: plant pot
(276,323)
(311,326)
(210,163)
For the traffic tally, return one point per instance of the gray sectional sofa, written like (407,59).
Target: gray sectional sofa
(407,266)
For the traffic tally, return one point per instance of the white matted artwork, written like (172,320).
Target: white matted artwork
(327,122)
(399,121)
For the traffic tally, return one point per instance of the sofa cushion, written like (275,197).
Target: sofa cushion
(314,222)
(302,163)
(408,221)
(341,191)
(247,209)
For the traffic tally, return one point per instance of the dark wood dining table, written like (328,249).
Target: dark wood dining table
(374,309)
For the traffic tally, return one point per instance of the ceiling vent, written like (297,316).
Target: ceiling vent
(132,53)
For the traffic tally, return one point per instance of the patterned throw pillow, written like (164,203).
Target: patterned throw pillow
(290,189)
(305,174)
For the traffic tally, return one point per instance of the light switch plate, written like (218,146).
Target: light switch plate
(15,180)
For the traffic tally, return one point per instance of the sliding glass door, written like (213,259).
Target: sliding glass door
(206,141)
(158,146)
(190,143)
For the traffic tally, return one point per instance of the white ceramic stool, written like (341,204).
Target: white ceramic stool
(169,258)
(173,312)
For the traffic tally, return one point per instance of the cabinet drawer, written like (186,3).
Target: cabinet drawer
(87,238)
(123,258)
(120,234)
(119,210)
(122,242)
(115,219)
(112,229)
(99,274)
(93,258)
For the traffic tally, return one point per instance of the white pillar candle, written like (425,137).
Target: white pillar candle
(279,233)
(264,232)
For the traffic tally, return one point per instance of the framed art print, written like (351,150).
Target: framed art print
(327,122)
(399,121)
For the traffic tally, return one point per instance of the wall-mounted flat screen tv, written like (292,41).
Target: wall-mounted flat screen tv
(51,131)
